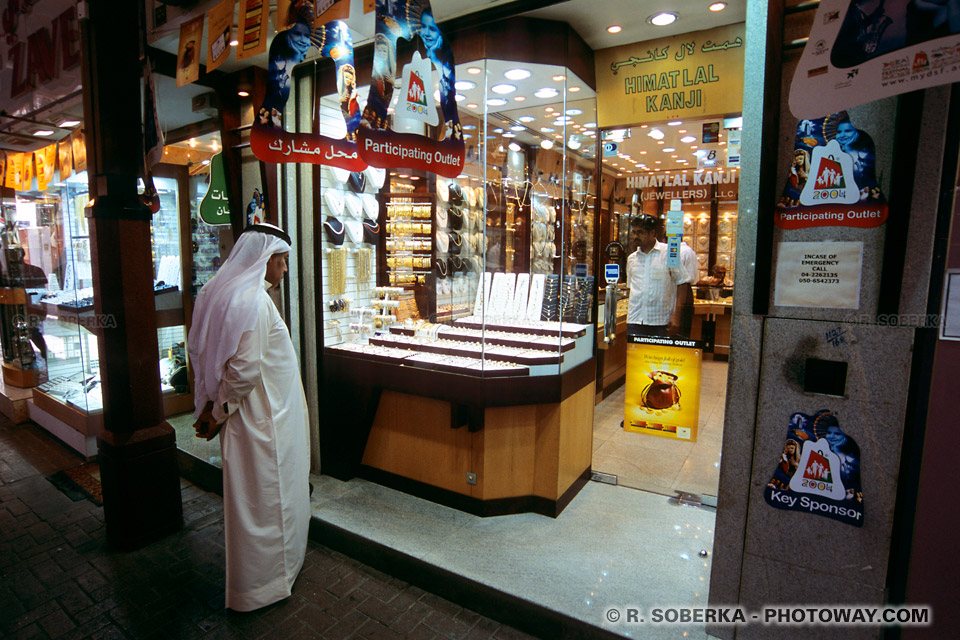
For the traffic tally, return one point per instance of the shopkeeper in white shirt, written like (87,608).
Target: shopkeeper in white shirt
(656,299)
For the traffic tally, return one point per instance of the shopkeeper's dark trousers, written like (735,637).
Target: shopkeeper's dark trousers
(653,330)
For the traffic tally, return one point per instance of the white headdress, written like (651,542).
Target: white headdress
(226,307)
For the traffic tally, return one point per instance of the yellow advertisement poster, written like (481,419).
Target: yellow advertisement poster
(254,15)
(26,175)
(219,32)
(693,75)
(188,56)
(66,158)
(79,152)
(14,171)
(46,162)
(663,387)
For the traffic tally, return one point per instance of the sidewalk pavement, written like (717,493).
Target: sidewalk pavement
(59,580)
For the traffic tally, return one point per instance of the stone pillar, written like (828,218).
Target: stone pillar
(137,449)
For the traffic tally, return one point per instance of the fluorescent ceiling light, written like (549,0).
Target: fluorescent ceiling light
(668,149)
(43,133)
(675,123)
(496,102)
(508,134)
(516,74)
(526,118)
(66,124)
(518,127)
(465,85)
(573,89)
(459,97)
(688,139)
(547,129)
(662,19)
(547,92)
(503,89)
(469,127)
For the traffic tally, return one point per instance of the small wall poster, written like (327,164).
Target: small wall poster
(818,471)
(663,387)
(818,274)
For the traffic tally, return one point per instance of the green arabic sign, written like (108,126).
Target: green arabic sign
(214,208)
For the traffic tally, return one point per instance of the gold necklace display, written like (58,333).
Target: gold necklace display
(364,266)
(337,277)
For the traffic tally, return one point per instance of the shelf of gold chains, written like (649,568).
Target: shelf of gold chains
(409,237)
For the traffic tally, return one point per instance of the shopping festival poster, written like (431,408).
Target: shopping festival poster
(863,50)
(832,179)
(65,153)
(269,140)
(379,145)
(46,162)
(663,387)
(188,55)
(818,471)
(219,32)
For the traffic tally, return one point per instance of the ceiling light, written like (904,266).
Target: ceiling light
(559,123)
(547,92)
(656,134)
(498,130)
(643,153)
(526,118)
(718,6)
(574,143)
(43,133)
(513,146)
(496,102)
(474,70)
(559,78)
(573,89)
(469,127)
(614,28)
(573,112)
(547,144)
(465,85)
(509,135)
(459,97)
(472,105)
(659,141)
(66,124)
(192,143)
(667,149)
(590,125)
(547,129)
(549,109)
(234,43)
(205,162)
(688,139)
(518,127)
(503,89)
(662,19)
(214,145)
(516,74)
(243,94)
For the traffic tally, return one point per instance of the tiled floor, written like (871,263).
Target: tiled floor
(663,465)
(58,579)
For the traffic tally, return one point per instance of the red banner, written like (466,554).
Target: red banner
(391,150)
(272,144)
(834,215)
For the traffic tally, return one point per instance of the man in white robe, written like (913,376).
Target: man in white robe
(248,389)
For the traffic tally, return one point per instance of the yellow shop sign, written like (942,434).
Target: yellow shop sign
(692,75)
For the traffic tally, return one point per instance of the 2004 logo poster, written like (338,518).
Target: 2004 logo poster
(663,387)
(864,50)
(818,471)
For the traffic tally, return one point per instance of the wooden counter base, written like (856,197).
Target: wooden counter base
(526,458)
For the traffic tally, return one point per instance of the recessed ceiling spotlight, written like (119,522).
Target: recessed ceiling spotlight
(43,133)
(243,94)
(547,92)
(513,146)
(460,97)
(465,85)
(496,102)
(472,105)
(469,127)
(614,28)
(688,139)
(234,43)
(662,19)
(192,143)
(590,125)
(518,127)
(519,98)
(66,124)
(573,89)
(549,109)
(547,129)
(656,134)
(516,74)
(573,112)
(498,130)
(547,144)
(718,6)
(474,70)
(503,89)
(559,123)
(668,149)
(526,118)
(509,135)
(559,77)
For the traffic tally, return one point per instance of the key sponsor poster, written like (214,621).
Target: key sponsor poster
(863,50)
(663,387)
(818,274)
(818,471)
